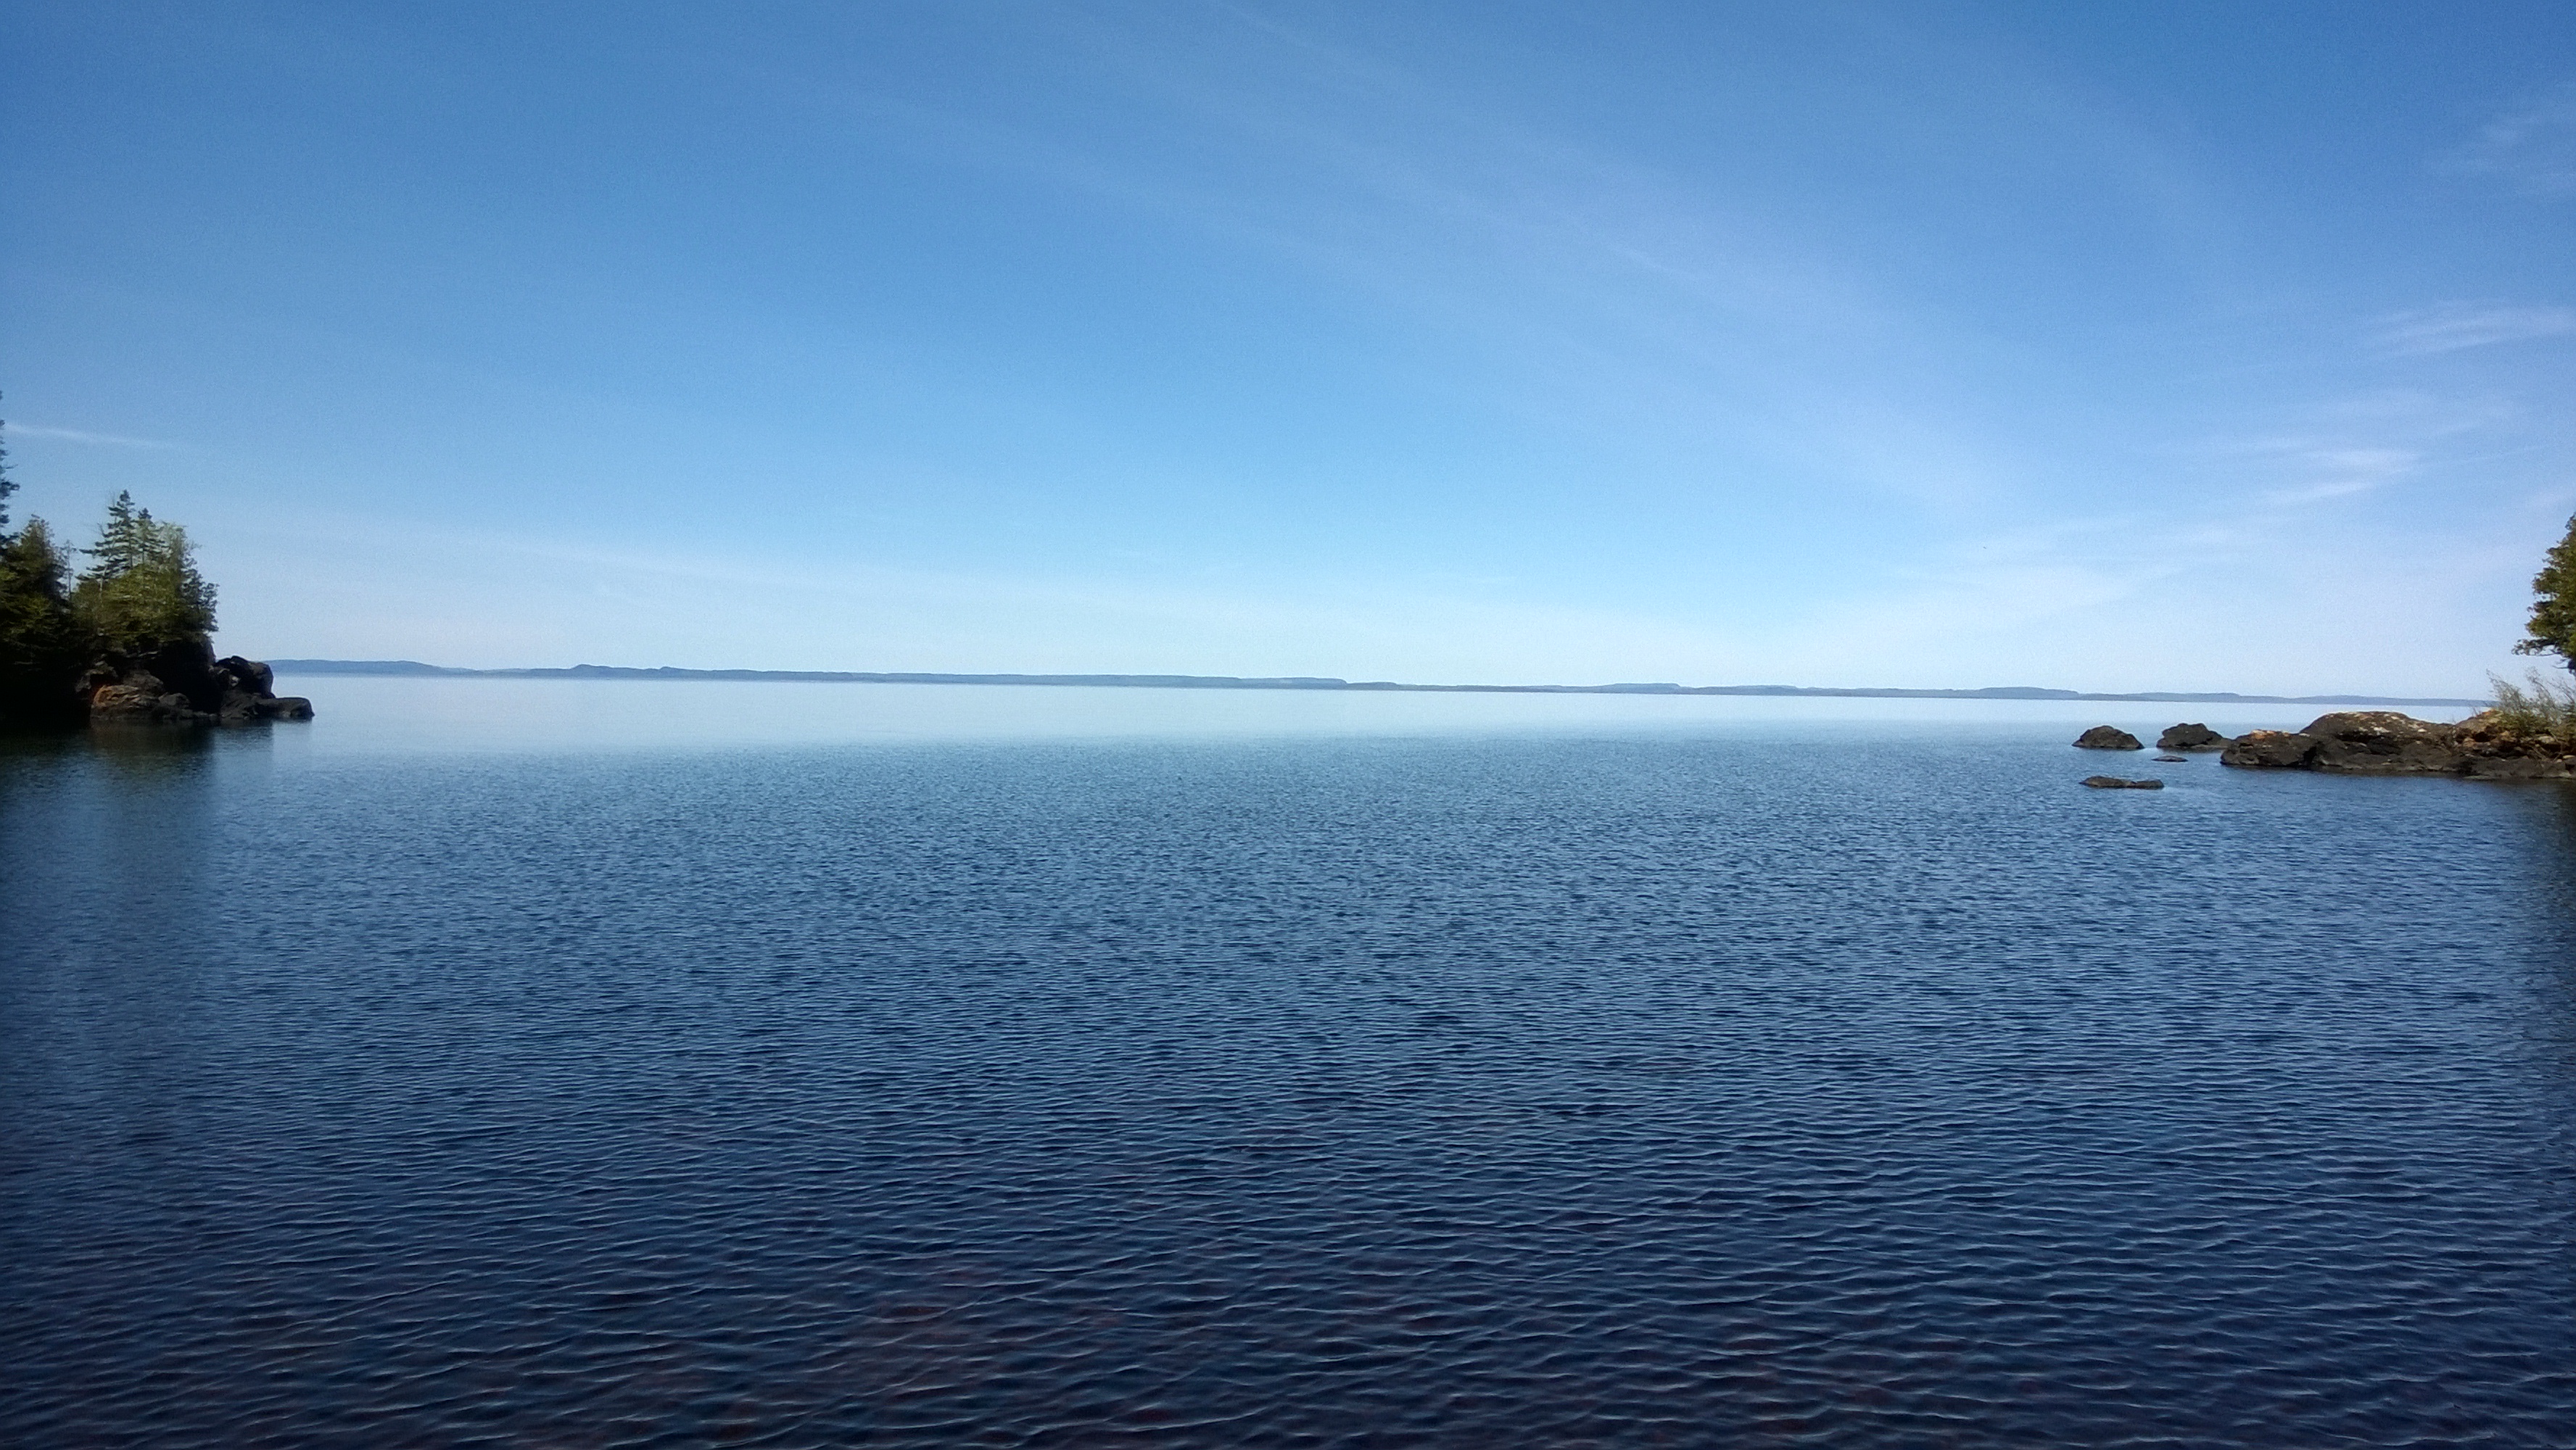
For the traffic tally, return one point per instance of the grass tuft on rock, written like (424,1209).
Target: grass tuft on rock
(2538,708)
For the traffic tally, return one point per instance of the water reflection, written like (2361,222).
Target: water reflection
(107,840)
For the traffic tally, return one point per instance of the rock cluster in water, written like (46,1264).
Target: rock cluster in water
(184,684)
(2383,742)
(2113,782)
(2365,742)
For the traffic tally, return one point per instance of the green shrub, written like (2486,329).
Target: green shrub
(2540,708)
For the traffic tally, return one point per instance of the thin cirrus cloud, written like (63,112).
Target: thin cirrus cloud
(79,435)
(2320,470)
(2532,147)
(2456,326)
(2345,472)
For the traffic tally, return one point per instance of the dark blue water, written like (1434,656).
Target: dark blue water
(1675,1088)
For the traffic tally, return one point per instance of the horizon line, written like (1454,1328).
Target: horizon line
(416,668)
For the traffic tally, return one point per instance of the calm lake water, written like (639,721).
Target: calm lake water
(604,1063)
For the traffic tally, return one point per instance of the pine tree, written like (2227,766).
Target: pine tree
(144,591)
(141,594)
(41,645)
(8,485)
(2552,628)
(123,541)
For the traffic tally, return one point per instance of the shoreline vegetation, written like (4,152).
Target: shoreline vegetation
(127,640)
(414,668)
(2527,733)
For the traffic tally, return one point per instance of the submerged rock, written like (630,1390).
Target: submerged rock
(2190,737)
(2172,760)
(2107,737)
(2113,782)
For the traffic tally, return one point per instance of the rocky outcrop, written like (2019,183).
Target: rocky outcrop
(2270,750)
(2113,782)
(2495,753)
(2190,737)
(2105,737)
(2383,742)
(184,684)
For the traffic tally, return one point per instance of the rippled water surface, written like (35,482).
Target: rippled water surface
(485,1064)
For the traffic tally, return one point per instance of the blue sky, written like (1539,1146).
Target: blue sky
(2208,346)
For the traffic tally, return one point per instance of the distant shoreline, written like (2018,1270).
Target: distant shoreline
(415,668)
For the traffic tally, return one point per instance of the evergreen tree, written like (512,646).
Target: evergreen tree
(42,648)
(141,594)
(2552,629)
(8,485)
(143,591)
(123,541)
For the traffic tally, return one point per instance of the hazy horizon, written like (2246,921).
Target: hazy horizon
(1919,346)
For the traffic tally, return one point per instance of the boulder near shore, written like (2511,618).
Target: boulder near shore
(184,684)
(2107,737)
(2190,737)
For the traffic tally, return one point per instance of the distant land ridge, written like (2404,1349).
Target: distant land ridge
(1314,682)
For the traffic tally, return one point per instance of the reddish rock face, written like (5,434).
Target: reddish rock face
(125,702)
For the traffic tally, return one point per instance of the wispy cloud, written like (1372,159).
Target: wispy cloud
(2453,326)
(2316,471)
(2533,147)
(77,435)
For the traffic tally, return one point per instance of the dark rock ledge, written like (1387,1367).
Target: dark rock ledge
(184,684)
(2383,742)
(2113,782)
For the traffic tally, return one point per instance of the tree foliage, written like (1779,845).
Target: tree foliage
(140,594)
(42,647)
(143,590)
(8,485)
(2552,629)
